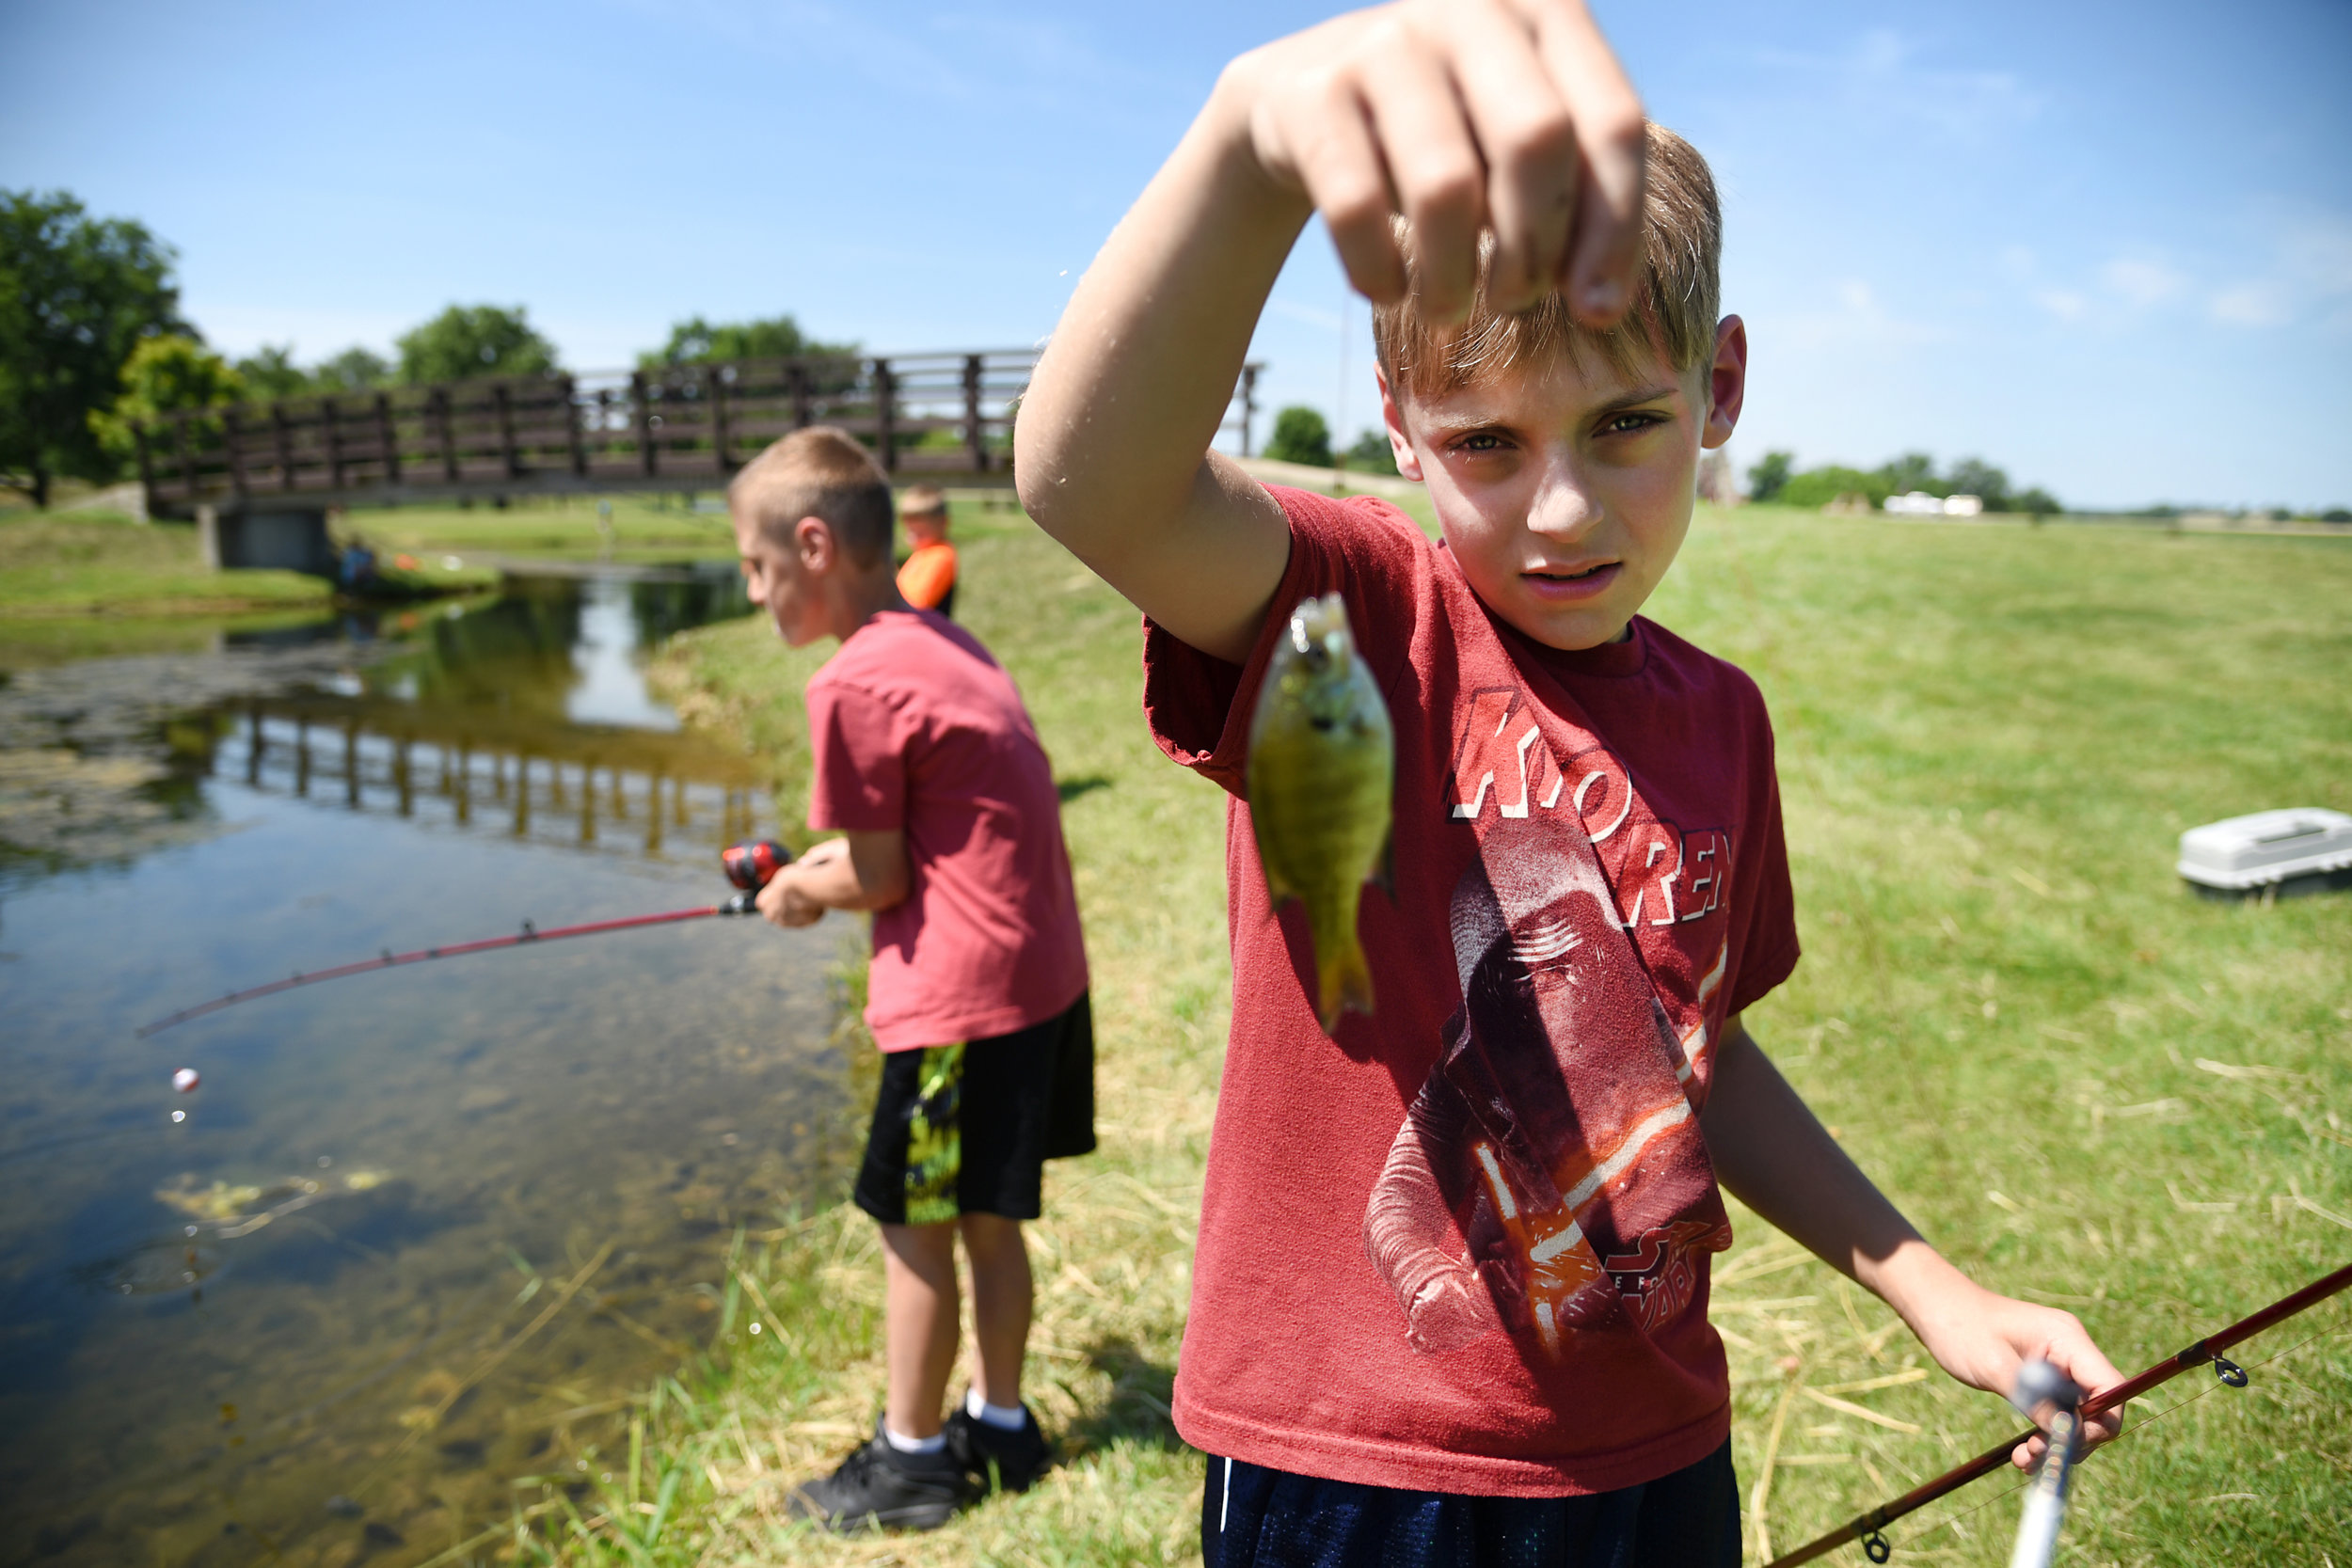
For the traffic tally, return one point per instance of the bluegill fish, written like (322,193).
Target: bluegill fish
(1322,780)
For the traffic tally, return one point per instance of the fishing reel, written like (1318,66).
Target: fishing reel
(750,865)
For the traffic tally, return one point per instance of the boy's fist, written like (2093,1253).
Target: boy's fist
(1462,114)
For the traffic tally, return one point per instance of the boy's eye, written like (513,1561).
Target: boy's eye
(1480,440)
(1625,424)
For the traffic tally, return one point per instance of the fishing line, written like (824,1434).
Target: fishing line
(749,866)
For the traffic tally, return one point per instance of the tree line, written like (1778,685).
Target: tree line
(93,342)
(1777,480)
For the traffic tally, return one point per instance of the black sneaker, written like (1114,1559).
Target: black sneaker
(879,1488)
(997,1458)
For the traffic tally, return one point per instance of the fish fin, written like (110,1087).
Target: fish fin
(1343,984)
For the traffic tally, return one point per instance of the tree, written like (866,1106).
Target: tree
(467,341)
(1300,436)
(164,375)
(355,369)
(1768,479)
(1372,453)
(270,374)
(2035,501)
(1974,476)
(1913,470)
(696,341)
(76,294)
(1818,487)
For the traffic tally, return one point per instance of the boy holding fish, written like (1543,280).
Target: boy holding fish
(923,756)
(1464,1185)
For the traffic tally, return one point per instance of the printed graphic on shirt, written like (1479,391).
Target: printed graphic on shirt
(1550,1177)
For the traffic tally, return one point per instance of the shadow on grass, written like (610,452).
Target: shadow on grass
(1070,789)
(1136,1410)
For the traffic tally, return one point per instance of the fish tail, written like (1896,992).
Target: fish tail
(1344,982)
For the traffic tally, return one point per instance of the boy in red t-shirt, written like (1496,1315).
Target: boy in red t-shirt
(924,758)
(1450,1300)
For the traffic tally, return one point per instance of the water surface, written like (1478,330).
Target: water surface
(418,1232)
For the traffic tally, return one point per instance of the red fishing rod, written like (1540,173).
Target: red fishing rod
(1868,1528)
(748,866)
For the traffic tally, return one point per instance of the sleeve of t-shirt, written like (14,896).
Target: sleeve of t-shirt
(1199,707)
(857,750)
(1769,955)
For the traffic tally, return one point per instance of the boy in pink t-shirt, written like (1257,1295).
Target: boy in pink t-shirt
(926,761)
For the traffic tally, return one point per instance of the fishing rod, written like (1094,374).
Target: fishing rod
(1870,1528)
(748,866)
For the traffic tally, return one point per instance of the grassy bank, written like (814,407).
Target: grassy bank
(55,565)
(2088,1087)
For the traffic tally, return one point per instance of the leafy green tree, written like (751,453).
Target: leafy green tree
(1372,453)
(76,294)
(1913,470)
(1974,476)
(1820,486)
(355,369)
(270,374)
(1301,435)
(164,375)
(1769,478)
(696,341)
(467,341)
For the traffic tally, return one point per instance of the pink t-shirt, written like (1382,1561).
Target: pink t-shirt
(913,727)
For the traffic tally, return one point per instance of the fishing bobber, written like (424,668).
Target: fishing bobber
(185,1080)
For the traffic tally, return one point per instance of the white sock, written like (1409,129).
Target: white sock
(1004,1418)
(935,1443)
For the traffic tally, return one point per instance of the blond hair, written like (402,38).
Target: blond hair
(921,500)
(1674,302)
(820,472)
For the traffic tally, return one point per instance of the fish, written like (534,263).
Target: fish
(1322,780)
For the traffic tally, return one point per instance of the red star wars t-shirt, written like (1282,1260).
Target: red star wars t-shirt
(1464,1246)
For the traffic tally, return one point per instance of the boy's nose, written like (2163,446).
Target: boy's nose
(1562,506)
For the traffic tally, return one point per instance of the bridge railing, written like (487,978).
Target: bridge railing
(677,428)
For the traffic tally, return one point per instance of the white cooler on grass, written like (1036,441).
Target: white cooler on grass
(2301,849)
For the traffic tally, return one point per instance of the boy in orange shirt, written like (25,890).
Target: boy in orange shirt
(926,579)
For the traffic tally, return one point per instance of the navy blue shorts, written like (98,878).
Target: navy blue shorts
(1253,1517)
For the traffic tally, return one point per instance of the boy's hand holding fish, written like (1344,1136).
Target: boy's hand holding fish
(1460,115)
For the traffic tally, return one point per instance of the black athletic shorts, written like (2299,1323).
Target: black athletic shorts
(966,1127)
(1253,1517)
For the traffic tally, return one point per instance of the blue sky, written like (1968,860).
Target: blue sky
(2105,246)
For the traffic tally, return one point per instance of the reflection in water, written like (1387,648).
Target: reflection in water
(420,1232)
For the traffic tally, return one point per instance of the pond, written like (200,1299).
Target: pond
(417,1232)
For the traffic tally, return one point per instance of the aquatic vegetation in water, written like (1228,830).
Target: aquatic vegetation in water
(240,1209)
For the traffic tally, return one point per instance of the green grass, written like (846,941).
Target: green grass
(2084,1086)
(93,563)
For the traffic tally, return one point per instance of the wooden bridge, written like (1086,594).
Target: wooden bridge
(944,417)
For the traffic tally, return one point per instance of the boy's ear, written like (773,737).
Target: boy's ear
(1407,461)
(1727,381)
(814,543)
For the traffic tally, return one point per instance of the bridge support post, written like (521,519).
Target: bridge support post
(972,436)
(293,541)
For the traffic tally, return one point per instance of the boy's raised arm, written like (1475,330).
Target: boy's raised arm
(1462,114)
